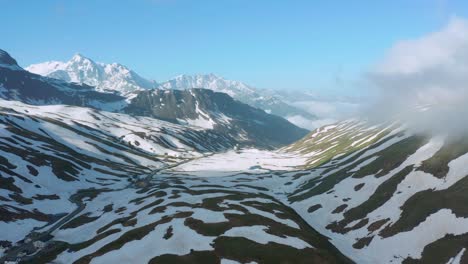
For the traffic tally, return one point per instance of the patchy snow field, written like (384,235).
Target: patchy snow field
(378,197)
(245,160)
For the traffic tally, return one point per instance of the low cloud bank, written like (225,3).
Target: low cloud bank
(303,122)
(327,111)
(424,82)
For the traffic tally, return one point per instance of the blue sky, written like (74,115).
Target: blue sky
(279,44)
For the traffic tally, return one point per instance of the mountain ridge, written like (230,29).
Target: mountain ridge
(201,109)
(118,78)
(218,111)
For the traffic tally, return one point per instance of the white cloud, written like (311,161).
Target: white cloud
(326,111)
(333,109)
(429,72)
(303,122)
(446,48)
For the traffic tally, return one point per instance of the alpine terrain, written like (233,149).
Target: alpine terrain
(202,108)
(98,165)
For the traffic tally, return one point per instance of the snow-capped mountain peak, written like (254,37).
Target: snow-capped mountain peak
(79,57)
(45,68)
(262,99)
(105,77)
(209,81)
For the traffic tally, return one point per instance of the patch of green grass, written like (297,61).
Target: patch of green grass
(336,143)
(388,159)
(391,157)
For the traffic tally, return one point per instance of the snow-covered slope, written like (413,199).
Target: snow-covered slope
(47,153)
(84,185)
(97,189)
(105,77)
(380,193)
(384,195)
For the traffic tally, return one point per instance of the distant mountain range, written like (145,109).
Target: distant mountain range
(267,100)
(197,108)
(118,78)
(20,85)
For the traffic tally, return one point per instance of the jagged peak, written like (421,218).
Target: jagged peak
(198,76)
(80,58)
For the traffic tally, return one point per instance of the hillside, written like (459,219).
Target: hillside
(81,185)
(368,188)
(398,199)
(217,111)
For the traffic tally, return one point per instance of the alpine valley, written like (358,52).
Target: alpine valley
(100,165)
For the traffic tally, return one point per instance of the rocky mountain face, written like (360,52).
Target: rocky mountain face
(7,61)
(217,111)
(104,77)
